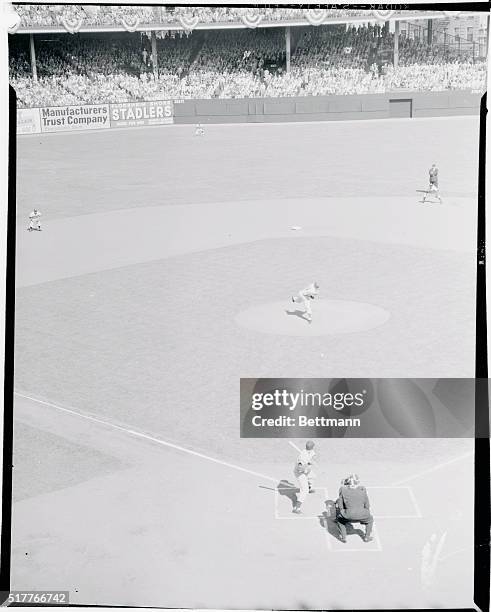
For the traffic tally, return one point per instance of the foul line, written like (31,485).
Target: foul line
(139,434)
(294,446)
(435,468)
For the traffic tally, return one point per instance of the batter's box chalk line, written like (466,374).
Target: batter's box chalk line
(364,546)
(417,513)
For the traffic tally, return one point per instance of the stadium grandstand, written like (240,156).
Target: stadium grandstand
(81,54)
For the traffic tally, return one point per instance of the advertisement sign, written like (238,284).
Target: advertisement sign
(131,114)
(70,118)
(28,121)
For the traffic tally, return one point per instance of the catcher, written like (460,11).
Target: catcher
(305,296)
(304,475)
(353,506)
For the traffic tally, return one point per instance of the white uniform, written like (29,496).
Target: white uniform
(433,186)
(199,130)
(35,220)
(305,296)
(305,481)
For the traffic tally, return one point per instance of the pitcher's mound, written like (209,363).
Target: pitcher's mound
(329,317)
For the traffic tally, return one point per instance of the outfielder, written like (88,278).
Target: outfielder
(433,187)
(305,296)
(199,130)
(34,221)
(304,475)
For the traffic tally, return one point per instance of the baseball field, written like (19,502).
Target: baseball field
(161,277)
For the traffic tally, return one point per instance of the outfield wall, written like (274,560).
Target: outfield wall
(251,110)
(328,108)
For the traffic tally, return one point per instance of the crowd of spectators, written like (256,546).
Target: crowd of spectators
(438,76)
(214,14)
(95,15)
(243,50)
(248,63)
(417,51)
(343,48)
(51,15)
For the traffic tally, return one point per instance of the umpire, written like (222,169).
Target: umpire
(353,505)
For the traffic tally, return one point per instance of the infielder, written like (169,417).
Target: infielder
(304,475)
(34,221)
(305,296)
(433,187)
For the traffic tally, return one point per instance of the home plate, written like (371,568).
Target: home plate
(329,317)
